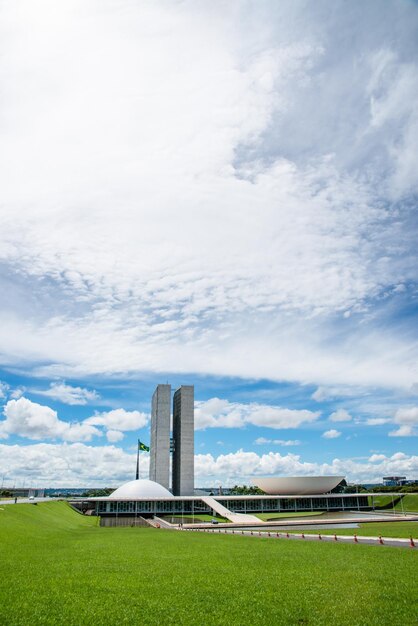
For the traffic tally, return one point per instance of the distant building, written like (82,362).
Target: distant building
(144,498)
(25,492)
(394,481)
(180,445)
(160,436)
(183,441)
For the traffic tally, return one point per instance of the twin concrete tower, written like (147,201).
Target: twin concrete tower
(181,445)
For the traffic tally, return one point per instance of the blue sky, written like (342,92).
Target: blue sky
(218,194)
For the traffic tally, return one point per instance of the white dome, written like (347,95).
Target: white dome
(297,485)
(140,490)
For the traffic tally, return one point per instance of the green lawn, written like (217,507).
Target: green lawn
(57,567)
(409,502)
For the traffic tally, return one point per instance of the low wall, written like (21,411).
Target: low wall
(110,522)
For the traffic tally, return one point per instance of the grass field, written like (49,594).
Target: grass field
(57,567)
(409,502)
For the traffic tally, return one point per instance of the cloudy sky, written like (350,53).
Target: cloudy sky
(210,193)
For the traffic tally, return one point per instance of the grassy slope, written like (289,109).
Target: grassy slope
(57,567)
(30,520)
(409,502)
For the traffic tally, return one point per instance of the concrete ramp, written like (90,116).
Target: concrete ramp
(237,518)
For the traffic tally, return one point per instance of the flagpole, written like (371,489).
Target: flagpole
(137,461)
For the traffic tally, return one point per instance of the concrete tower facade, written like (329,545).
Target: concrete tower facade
(183,436)
(159,470)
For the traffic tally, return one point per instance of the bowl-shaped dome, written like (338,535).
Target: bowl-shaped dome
(140,490)
(297,485)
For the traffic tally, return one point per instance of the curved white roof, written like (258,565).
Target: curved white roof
(297,485)
(139,490)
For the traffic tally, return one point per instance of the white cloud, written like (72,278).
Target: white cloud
(331,392)
(45,464)
(404,431)
(341,415)
(393,86)
(36,421)
(320,394)
(375,458)
(114,435)
(4,388)
(399,456)
(218,413)
(68,394)
(407,415)
(17,393)
(119,419)
(66,465)
(377,421)
(278,247)
(331,434)
(278,442)
(241,465)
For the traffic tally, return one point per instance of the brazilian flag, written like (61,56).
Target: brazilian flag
(142,446)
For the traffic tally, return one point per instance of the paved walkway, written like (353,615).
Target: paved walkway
(379,541)
(28,501)
(237,518)
(313,521)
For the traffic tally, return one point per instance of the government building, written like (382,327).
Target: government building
(172,456)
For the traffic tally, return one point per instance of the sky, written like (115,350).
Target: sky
(212,193)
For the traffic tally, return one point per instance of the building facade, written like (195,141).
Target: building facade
(190,506)
(183,441)
(159,470)
(181,445)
